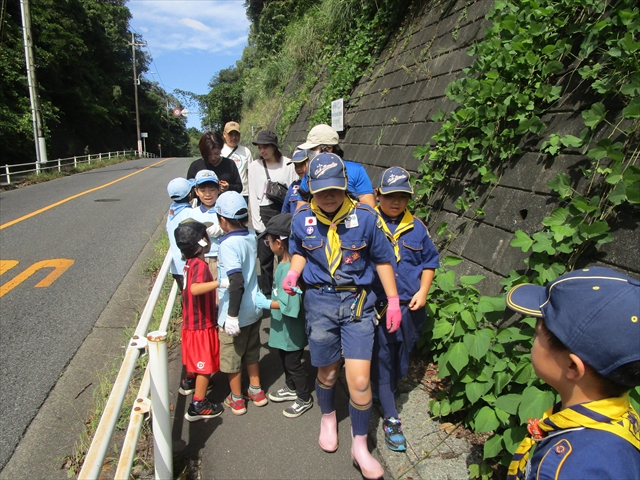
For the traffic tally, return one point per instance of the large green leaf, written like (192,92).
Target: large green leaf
(534,403)
(458,356)
(486,420)
(509,403)
(475,390)
(493,446)
(478,343)
(513,437)
(594,115)
(441,329)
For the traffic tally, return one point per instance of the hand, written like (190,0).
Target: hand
(232,326)
(418,301)
(224,283)
(394,315)
(262,301)
(224,186)
(290,282)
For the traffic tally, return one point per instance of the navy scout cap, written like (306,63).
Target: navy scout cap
(327,171)
(299,156)
(594,312)
(395,179)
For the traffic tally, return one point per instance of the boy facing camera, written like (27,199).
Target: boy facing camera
(587,347)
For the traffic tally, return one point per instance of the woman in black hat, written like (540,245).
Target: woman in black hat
(270,166)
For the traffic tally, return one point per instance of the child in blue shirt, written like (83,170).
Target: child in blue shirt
(337,246)
(287,333)
(179,189)
(207,189)
(586,346)
(300,160)
(416,259)
(238,315)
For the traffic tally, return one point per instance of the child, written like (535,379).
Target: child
(416,261)
(587,347)
(200,348)
(179,189)
(238,314)
(300,161)
(338,245)
(207,189)
(287,332)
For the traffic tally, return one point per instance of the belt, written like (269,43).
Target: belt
(335,288)
(381,308)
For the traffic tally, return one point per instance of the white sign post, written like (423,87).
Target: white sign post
(144,136)
(337,115)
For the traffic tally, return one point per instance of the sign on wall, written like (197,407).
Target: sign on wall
(337,115)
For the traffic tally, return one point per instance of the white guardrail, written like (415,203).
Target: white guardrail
(60,163)
(155,381)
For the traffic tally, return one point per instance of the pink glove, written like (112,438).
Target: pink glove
(394,316)
(290,282)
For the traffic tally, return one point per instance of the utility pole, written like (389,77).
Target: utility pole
(135,89)
(36,114)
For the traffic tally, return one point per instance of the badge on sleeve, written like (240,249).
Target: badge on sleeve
(351,221)
(310,221)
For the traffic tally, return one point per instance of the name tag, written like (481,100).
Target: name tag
(351,221)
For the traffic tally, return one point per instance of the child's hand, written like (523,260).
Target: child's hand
(262,301)
(232,326)
(418,301)
(394,315)
(290,282)
(224,283)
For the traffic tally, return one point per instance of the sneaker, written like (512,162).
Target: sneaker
(393,436)
(283,395)
(259,399)
(297,408)
(188,386)
(238,407)
(201,410)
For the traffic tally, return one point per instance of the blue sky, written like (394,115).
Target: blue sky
(190,41)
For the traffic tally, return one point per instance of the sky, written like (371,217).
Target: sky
(190,41)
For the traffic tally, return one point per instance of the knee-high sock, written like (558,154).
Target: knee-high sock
(325,395)
(387,400)
(360,415)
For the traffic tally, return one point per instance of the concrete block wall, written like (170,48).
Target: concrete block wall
(389,115)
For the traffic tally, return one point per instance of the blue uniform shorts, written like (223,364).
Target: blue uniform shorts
(332,332)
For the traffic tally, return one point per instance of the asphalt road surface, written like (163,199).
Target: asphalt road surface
(65,246)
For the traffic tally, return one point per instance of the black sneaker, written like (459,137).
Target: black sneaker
(297,408)
(393,436)
(283,395)
(188,386)
(201,410)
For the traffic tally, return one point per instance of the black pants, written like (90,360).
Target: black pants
(265,255)
(295,374)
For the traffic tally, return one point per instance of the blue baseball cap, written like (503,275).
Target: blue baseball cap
(299,156)
(395,179)
(204,176)
(231,204)
(327,171)
(594,312)
(179,188)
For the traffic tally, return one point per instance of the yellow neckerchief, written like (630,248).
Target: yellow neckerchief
(614,415)
(405,225)
(333,250)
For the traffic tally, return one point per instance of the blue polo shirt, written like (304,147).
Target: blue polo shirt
(358,182)
(177,213)
(291,199)
(204,215)
(363,246)
(417,253)
(238,253)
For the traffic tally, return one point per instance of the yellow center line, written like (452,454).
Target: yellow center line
(49,207)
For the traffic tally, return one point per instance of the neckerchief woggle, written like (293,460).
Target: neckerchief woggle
(405,225)
(333,250)
(615,415)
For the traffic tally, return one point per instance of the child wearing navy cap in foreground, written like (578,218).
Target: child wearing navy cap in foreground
(337,246)
(200,348)
(416,261)
(587,347)
(287,333)
(179,189)
(238,316)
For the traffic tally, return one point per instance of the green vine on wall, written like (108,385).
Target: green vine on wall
(534,54)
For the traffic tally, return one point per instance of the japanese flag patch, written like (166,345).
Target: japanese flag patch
(310,221)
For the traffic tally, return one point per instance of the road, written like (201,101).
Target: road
(78,236)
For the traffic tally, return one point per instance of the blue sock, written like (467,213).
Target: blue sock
(325,396)
(360,415)
(387,400)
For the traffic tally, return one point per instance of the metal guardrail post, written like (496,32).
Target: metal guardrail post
(75,162)
(158,366)
(6,169)
(59,166)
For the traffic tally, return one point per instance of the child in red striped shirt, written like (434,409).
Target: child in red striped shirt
(200,344)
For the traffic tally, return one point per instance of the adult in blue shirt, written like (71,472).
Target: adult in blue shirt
(323,138)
